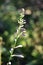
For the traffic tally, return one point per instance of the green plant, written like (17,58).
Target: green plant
(17,35)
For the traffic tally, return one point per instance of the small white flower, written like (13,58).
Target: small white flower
(21,56)
(11,49)
(23,9)
(19,46)
(24,22)
(22,26)
(15,40)
(17,31)
(9,63)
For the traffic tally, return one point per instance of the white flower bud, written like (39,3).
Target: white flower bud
(23,9)
(15,40)
(11,49)
(21,56)
(19,46)
(9,63)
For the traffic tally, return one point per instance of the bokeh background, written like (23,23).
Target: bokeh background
(33,40)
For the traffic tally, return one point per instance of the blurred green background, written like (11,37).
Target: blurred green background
(33,40)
